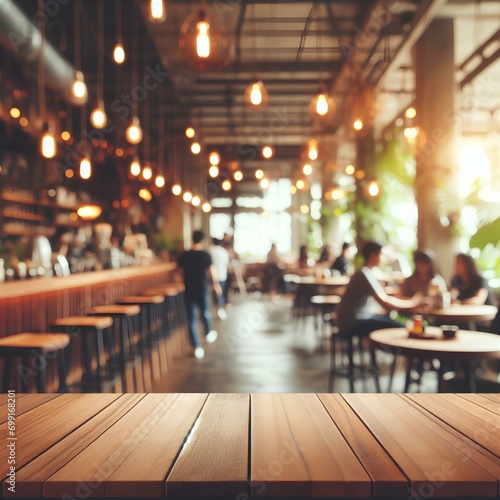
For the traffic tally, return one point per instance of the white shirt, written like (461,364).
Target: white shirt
(220,260)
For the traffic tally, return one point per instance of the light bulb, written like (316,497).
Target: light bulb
(195,148)
(256,95)
(176,189)
(267,152)
(65,135)
(410,133)
(349,170)
(358,124)
(15,112)
(411,113)
(322,105)
(259,174)
(300,184)
(85,168)
(213,171)
(134,131)
(264,183)
(203,40)
(196,201)
(145,194)
(226,185)
(312,152)
(206,207)
(119,54)
(98,116)
(157,13)
(238,175)
(190,132)
(187,196)
(214,158)
(293,189)
(373,189)
(160,181)
(147,172)
(135,167)
(48,145)
(79,87)
(307,169)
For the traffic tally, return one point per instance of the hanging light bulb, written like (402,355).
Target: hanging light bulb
(267,152)
(202,39)
(238,175)
(349,170)
(176,189)
(160,181)
(195,148)
(48,144)
(145,194)
(312,151)
(300,184)
(206,207)
(79,87)
(134,131)
(373,189)
(190,132)
(358,125)
(119,54)
(322,106)
(213,171)
(259,174)
(187,196)
(85,168)
(98,116)
(256,95)
(307,169)
(135,167)
(157,12)
(226,185)
(196,201)
(264,183)
(214,158)
(411,113)
(147,172)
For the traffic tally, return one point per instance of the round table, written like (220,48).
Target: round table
(461,313)
(468,346)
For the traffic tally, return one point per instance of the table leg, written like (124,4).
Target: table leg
(471,376)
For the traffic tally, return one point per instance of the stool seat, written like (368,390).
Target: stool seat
(99,323)
(45,342)
(116,310)
(164,291)
(142,300)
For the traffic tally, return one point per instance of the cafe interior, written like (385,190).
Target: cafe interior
(250,248)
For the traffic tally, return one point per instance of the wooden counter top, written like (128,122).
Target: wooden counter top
(243,446)
(22,288)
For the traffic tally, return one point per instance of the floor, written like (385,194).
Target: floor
(260,349)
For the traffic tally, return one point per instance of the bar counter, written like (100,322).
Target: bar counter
(243,446)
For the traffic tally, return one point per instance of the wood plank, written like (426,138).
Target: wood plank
(38,429)
(462,443)
(30,479)
(434,467)
(388,480)
(214,461)
(86,474)
(24,403)
(484,402)
(477,423)
(144,472)
(297,450)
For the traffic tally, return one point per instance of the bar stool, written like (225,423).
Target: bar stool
(86,327)
(123,316)
(33,345)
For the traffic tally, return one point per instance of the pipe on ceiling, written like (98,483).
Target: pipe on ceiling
(24,41)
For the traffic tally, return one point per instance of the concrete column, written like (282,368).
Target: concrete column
(437,162)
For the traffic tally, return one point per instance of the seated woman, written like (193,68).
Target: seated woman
(468,286)
(273,276)
(424,275)
(356,314)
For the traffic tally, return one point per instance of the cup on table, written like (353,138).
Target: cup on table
(449,331)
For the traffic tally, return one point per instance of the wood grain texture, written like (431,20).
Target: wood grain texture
(483,401)
(38,429)
(30,479)
(473,421)
(388,480)
(143,473)
(434,467)
(297,451)
(99,322)
(24,403)
(46,342)
(87,473)
(114,309)
(214,460)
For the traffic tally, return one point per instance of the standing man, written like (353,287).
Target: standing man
(220,261)
(198,270)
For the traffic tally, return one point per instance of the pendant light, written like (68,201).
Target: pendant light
(135,167)
(79,87)
(157,12)
(147,172)
(190,132)
(98,116)
(48,144)
(160,178)
(118,51)
(312,150)
(176,189)
(214,158)
(133,133)
(85,168)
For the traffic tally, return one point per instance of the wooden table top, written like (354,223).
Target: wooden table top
(462,313)
(322,281)
(466,345)
(325,300)
(259,445)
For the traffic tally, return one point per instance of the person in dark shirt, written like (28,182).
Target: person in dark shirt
(468,286)
(341,262)
(198,272)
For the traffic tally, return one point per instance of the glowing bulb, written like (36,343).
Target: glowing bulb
(226,185)
(410,133)
(267,152)
(259,174)
(196,201)
(176,189)
(195,148)
(15,112)
(160,181)
(264,183)
(411,113)
(373,189)
(49,147)
(145,194)
(312,150)
(322,105)
(147,172)
(119,54)
(135,167)
(300,184)
(65,135)
(293,189)
(202,40)
(349,170)
(190,132)
(79,88)
(187,196)
(256,95)
(358,124)
(307,169)
(206,207)
(214,158)
(238,175)
(360,175)
(304,209)
(23,121)
(134,131)
(85,168)
(98,116)
(213,171)
(157,12)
